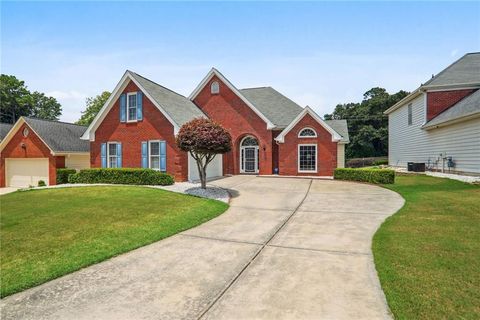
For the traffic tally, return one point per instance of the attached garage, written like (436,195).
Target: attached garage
(33,149)
(214,168)
(26,172)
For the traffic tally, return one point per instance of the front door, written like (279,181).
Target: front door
(250,159)
(249,155)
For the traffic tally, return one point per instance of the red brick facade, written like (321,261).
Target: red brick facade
(240,120)
(29,147)
(439,101)
(226,108)
(154,126)
(326,149)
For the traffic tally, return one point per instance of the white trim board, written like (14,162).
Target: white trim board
(298,157)
(281,137)
(215,72)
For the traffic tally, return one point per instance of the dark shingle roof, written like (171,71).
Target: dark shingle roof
(4,129)
(60,136)
(466,107)
(273,105)
(465,70)
(340,126)
(179,108)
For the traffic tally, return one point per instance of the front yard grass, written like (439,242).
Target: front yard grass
(48,233)
(428,254)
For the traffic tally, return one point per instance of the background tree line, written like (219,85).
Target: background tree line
(17,101)
(367,125)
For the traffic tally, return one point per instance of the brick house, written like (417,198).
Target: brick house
(33,149)
(439,123)
(271,134)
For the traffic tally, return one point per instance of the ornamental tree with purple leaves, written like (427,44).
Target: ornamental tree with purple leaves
(203,139)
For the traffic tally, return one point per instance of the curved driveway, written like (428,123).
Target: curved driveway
(286,249)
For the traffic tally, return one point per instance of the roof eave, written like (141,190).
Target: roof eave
(405,100)
(450,122)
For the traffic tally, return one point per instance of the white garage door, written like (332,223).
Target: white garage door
(214,168)
(26,172)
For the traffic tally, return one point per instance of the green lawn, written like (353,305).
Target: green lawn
(48,233)
(428,254)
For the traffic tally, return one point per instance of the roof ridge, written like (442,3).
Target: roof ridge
(262,87)
(181,95)
(56,121)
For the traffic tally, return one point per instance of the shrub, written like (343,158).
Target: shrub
(62,175)
(365,162)
(378,176)
(41,183)
(381,162)
(122,176)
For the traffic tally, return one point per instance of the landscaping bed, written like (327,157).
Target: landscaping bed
(51,232)
(428,254)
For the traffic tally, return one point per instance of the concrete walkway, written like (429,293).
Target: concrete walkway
(286,249)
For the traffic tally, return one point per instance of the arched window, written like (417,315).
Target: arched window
(214,87)
(307,133)
(249,141)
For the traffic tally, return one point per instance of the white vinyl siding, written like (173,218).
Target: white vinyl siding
(77,161)
(340,155)
(411,143)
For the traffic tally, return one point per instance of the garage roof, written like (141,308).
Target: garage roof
(4,129)
(60,136)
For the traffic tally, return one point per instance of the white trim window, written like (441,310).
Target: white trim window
(132,106)
(307,158)
(112,155)
(307,133)
(215,88)
(154,154)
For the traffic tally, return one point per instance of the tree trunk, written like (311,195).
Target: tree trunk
(204,177)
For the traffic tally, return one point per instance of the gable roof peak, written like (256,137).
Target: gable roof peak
(336,137)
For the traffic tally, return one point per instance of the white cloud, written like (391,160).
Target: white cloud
(454,52)
(73,102)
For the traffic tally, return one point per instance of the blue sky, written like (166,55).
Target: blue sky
(316,53)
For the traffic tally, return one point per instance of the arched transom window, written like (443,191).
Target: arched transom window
(307,133)
(249,141)
(215,87)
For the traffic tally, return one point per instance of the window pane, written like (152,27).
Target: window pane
(307,158)
(112,149)
(307,133)
(113,162)
(155,148)
(132,101)
(155,162)
(132,107)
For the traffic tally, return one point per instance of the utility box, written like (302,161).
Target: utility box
(409,166)
(418,167)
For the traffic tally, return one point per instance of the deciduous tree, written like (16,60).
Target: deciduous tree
(203,139)
(17,101)
(367,125)
(93,106)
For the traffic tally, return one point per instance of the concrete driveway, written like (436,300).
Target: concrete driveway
(286,249)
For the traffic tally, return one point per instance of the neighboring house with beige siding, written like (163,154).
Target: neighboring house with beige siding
(440,121)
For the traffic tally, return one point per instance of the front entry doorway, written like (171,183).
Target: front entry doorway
(249,155)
